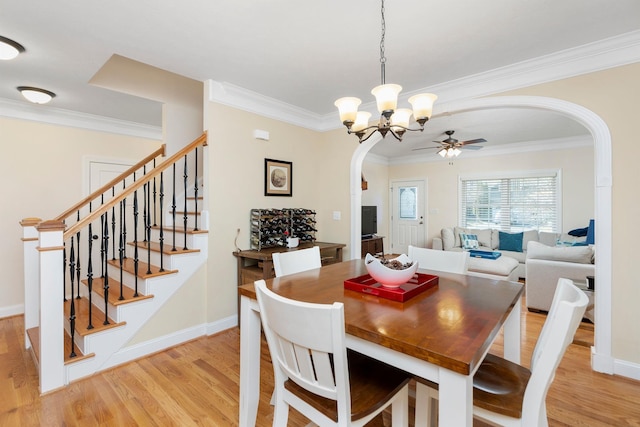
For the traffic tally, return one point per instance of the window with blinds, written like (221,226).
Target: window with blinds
(512,203)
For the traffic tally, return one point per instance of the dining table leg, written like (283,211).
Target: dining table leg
(512,333)
(249,361)
(455,404)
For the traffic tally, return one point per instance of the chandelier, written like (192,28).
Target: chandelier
(392,119)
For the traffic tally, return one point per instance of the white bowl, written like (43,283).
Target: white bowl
(388,277)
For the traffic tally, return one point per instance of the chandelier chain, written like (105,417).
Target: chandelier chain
(383,59)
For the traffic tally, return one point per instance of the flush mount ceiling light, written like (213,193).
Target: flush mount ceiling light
(392,120)
(9,49)
(36,95)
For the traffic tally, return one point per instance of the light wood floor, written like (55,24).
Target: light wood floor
(197,384)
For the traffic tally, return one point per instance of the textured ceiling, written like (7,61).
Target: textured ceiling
(303,53)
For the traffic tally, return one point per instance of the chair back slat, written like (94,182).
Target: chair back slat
(300,334)
(433,259)
(285,263)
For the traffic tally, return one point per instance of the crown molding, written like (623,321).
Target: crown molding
(58,116)
(607,53)
(254,102)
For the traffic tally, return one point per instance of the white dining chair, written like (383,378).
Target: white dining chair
(316,374)
(508,394)
(433,259)
(296,261)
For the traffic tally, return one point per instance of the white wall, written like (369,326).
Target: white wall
(377,194)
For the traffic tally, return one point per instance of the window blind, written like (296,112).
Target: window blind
(511,203)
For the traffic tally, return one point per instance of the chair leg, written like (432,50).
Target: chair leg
(400,408)
(426,406)
(280,414)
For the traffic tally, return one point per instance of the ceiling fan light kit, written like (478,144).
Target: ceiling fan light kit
(451,147)
(393,120)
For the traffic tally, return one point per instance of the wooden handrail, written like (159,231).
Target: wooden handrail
(201,140)
(64,215)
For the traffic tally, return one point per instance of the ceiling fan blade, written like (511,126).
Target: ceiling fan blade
(425,148)
(473,147)
(473,141)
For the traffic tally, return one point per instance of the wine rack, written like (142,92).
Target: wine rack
(272,227)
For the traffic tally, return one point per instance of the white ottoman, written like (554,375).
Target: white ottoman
(503,268)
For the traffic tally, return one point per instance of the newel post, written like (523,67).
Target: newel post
(51,246)
(31,268)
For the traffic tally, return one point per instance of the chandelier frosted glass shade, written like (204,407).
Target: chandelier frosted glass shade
(392,119)
(386,97)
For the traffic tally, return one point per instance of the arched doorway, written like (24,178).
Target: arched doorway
(602,360)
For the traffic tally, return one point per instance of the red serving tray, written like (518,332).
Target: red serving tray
(418,284)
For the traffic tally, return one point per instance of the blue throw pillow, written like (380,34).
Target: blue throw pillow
(510,241)
(469,241)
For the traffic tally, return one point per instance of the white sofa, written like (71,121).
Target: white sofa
(489,240)
(546,264)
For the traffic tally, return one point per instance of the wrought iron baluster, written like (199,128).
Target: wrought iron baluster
(72,310)
(103,251)
(173,210)
(161,238)
(135,242)
(105,283)
(148,231)
(154,197)
(123,223)
(186,217)
(144,204)
(78,261)
(195,188)
(113,225)
(64,271)
(90,272)
(121,248)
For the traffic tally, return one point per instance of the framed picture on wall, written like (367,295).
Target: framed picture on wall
(278,178)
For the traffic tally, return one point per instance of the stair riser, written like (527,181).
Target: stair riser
(168,237)
(191,220)
(191,205)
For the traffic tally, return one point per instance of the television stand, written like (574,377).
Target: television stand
(371,244)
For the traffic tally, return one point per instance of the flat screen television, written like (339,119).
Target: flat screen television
(369,221)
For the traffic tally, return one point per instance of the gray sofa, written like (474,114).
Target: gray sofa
(546,264)
(489,240)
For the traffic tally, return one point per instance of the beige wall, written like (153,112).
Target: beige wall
(42,175)
(613,95)
(576,166)
(236,185)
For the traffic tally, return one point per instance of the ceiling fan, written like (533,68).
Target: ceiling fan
(450,147)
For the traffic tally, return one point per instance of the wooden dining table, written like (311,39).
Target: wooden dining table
(441,334)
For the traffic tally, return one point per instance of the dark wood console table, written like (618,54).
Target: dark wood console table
(254,265)
(372,245)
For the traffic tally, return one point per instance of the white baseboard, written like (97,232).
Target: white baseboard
(222,325)
(11,310)
(627,369)
(155,345)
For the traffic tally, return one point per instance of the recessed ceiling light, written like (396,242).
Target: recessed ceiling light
(36,95)
(9,49)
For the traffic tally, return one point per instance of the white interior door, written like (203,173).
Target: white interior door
(407,215)
(101,172)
